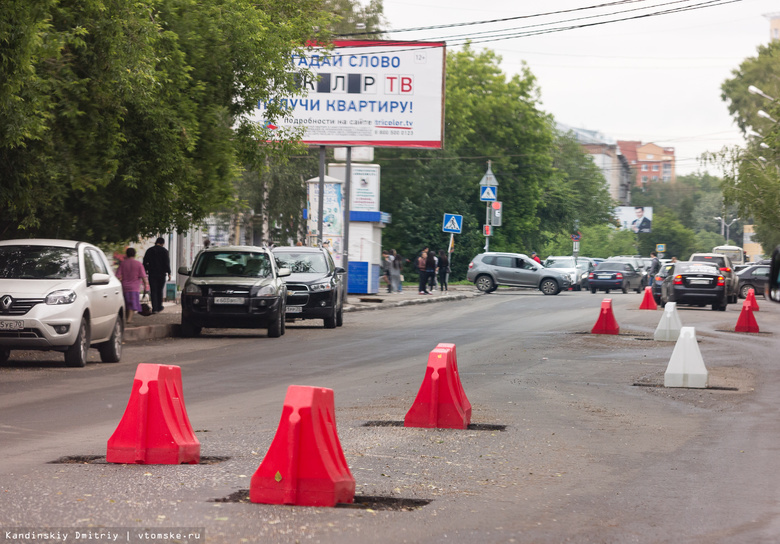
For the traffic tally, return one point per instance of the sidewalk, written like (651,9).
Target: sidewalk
(166,323)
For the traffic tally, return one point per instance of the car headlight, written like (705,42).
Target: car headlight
(266,291)
(192,289)
(322,286)
(64,296)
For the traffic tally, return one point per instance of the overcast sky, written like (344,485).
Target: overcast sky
(654,79)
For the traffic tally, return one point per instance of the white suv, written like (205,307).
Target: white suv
(59,295)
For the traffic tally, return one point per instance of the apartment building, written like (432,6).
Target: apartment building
(650,162)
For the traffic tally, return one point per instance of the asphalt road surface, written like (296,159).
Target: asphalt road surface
(574,439)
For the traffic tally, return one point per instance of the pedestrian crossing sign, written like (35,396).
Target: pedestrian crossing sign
(452,223)
(488,193)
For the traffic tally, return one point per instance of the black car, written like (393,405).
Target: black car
(658,281)
(615,275)
(315,289)
(754,277)
(234,287)
(695,283)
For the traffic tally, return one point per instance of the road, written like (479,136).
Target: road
(585,455)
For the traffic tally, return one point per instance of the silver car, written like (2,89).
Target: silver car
(489,270)
(59,295)
(578,268)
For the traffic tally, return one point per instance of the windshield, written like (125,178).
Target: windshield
(308,263)
(39,262)
(560,263)
(242,264)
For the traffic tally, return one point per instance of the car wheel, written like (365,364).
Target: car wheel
(578,287)
(485,284)
(76,355)
(275,328)
(593,290)
(111,351)
(340,316)
(283,313)
(549,287)
(733,299)
(657,299)
(743,291)
(188,329)
(624,288)
(330,321)
(639,288)
(4,355)
(606,291)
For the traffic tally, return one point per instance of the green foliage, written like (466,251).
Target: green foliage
(751,179)
(600,241)
(122,119)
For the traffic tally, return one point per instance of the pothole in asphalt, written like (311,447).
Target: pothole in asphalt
(362,502)
(471,427)
(101,460)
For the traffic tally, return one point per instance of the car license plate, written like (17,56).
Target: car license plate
(699,281)
(11,325)
(294,309)
(605,277)
(229,300)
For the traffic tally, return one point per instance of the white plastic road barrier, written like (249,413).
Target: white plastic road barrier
(686,367)
(668,329)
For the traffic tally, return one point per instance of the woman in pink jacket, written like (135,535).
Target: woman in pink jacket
(132,274)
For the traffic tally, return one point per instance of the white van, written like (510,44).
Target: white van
(734,253)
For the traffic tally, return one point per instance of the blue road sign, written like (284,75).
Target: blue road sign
(452,223)
(488,193)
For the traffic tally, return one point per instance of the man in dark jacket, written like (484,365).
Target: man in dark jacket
(158,268)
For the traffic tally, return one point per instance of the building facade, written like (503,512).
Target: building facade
(650,163)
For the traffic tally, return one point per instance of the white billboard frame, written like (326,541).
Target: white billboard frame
(369,93)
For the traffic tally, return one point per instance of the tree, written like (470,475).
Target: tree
(134,117)
(751,177)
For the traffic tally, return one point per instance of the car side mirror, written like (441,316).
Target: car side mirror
(184,271)
(774,272)
(340,270)
(283,272)
(100,279)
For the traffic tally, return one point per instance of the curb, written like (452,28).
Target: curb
(171,330)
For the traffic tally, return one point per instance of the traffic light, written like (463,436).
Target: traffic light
(495,214)
(486,230)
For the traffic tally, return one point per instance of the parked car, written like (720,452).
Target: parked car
(658,281)
(754,277)
(234,287)
(578,268)
(638,264)
(695,283)
(59,295)
(489,270)
(615,275)
(315,288)
(726,268)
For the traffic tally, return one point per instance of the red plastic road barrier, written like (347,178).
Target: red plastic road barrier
(648,303)
(155,428)
(464,402)
(305,464)
(441,401)
(746,322)
(606,323)
(751,298)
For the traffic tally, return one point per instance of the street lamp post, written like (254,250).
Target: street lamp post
(725,227)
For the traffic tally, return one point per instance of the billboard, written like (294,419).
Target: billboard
(369,93)
(635,218)
(364,185)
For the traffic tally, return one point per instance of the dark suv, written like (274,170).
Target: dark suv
(489,270)
(234,287)
(315,288)
(723,263)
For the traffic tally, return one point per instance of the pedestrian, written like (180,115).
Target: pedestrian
(385,266)
(396,265)
(655,265)
(535,257)
(421,268)
(430,267)
(444,271)
(132,275)
(432,277)
(158,268)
